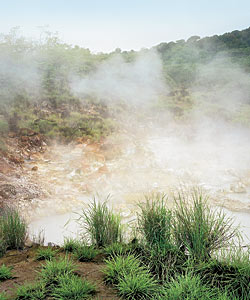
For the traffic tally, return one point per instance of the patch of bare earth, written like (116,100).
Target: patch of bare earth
(26,268)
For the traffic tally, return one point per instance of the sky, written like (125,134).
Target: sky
(104,25)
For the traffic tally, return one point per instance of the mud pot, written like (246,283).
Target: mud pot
(126,168)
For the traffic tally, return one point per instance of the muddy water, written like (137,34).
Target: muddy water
(70,175)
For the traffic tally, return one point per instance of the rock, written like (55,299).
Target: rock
(35,168)
(7,190)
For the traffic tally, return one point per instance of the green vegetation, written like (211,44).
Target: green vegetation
(135,286)
(101,224)
(13,229)
(31,292)
(85,253)
(70,244)
(73,287)
(53,269)
(45,254)
(198,229)
(3,296)
(5,273)
(118,266)
(57,280)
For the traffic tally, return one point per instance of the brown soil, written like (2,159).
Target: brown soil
(25,269)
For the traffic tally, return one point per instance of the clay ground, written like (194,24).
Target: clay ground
(25,269)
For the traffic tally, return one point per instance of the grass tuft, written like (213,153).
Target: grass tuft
(73,287)
(5,273)
(70,244)
(56,268)
(198,229)
(139,285)
(101,224)
(31,292)
(118,266)
(13,228)
(85,253)
(45,254)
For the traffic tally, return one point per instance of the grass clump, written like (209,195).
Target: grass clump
(190,286)
(29,291)
(116,249)
(70,244)
(85,253)
(155,220)
(73,287)
(45,254)
(230,271)
(5,273)
(155,225)
(13,228)
(199,230)
(119,266)
(3,296)
(53,269)
(139,285)
(101,224)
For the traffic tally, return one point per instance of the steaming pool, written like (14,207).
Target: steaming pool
(163,163)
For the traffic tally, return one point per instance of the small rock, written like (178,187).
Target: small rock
(35,168)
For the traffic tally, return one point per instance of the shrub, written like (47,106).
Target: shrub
(54,269)
(5,273)
(198,229)
(70,244)
(13,228)
(119,266)
(45,253)
(85,253)
(73,287)
(103,226)
(29,291)
(133,286)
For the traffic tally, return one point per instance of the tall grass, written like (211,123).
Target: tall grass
(13,228)
(155,220)
(198,229)
(155,225)
(101,224)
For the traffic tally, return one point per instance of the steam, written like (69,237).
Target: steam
(137,82)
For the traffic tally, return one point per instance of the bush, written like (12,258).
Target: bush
(119,266)
(133,286)
(85,253)
(29,291)
(73,287)
(45,254)
(5,273)
(103,226)
(199,230)
(13,228)
(53,269)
